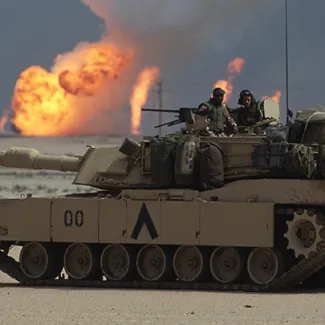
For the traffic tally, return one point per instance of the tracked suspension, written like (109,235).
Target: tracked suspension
(303,269)
(288,280)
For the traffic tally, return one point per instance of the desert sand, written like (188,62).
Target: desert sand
(103,306)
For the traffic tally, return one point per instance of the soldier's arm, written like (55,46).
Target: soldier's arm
(229,119)
(234,113)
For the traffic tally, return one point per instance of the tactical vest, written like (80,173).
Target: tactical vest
(215,122)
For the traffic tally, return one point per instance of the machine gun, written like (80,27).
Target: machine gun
(185,115)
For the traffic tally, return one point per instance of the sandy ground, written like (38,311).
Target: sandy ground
(94,306)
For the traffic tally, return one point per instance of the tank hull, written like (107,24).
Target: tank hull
(171,238)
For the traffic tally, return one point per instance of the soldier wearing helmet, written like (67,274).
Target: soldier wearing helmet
(218,113)
(248,113)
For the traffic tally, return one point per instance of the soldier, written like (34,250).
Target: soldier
(248,113)
(218,113)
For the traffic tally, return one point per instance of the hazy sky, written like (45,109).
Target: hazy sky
(33,32)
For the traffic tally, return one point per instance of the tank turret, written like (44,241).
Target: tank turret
(154,162)
(140,164)
(172,161)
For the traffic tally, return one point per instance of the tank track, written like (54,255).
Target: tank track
(11,267)
(289,280)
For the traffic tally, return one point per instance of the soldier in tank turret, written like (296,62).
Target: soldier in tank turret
(217,111)
(248,114)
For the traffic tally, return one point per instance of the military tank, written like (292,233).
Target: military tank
(261,228)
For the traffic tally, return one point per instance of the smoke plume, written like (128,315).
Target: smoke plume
(187,43)
(167,31)
(177,36)
(88,89)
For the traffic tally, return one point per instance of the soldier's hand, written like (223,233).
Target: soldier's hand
(203,109)
(235,129)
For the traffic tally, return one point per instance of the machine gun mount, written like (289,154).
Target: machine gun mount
(185,115)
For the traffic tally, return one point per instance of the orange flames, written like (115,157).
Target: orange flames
(235,67)
(57,103)
(139,96)
(64,100)
(4,119)
(277,96)
(84,72)
(46,103)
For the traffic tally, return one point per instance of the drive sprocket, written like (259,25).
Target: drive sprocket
(304,233)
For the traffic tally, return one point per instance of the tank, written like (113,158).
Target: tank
(260,226)
(132,165)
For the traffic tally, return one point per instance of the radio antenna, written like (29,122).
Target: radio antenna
(286,60)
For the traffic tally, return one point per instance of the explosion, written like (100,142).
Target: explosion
(56,103)
(49,103)
(88,87)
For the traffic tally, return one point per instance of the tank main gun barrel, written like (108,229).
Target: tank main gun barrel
(29,158)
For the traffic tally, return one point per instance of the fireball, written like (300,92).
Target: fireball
(48,103)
